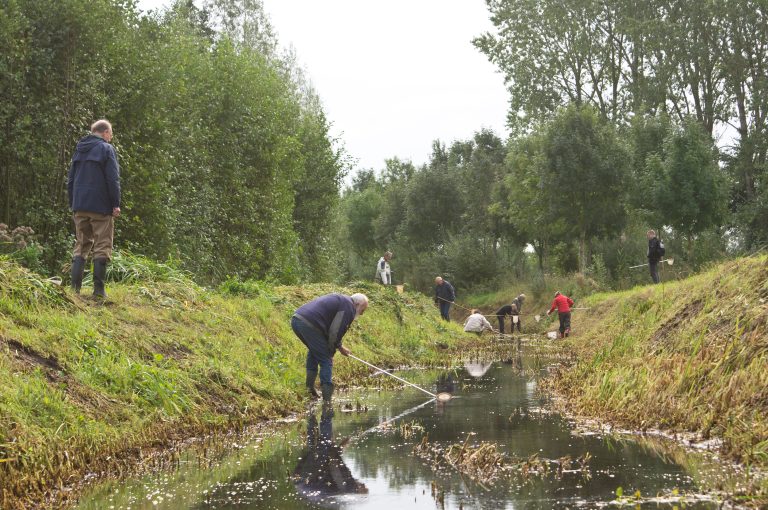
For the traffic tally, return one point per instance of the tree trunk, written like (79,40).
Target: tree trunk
(583,252)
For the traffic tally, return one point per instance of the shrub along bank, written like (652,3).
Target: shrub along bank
(84,387)
(691,355)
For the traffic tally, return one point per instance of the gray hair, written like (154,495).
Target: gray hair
(359,299)
(101,126)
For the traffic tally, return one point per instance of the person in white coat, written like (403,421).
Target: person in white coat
(477,323)
(383,272)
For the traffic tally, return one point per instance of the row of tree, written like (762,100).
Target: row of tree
(578,190)
(226,161)
(614,108)
(686,59)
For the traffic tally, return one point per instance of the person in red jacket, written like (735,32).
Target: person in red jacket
(563,304)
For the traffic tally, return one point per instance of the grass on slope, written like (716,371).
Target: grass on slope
(691,355)
(85,386)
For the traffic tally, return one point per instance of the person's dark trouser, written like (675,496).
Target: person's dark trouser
(445,308)
(565,321)
(318,352)
(654,267)
(501,325)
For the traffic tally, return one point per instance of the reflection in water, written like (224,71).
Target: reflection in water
(321,471)
(298,470)
(446,382)
(476,368)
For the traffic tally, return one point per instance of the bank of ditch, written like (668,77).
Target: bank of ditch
(686,356)
(87,387)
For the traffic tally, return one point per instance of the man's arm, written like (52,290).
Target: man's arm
(112,176)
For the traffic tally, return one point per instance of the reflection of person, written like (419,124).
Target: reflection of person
(93,186)
(505,310)
(383,272)
(446,383)
(445,295)
(654,255)
(563,304)
(320,325)
(321,471)
(477,323)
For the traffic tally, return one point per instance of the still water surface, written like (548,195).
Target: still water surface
(343,459)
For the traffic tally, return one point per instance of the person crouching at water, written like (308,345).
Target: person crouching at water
(563,304)
(505,310)
(320,325)
(477,323)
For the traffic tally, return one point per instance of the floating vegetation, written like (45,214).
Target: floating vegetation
(486,464)
(409,429)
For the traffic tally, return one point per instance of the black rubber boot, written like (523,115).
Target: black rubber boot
(327,390)
(99,277)
(78,267)
(311,376)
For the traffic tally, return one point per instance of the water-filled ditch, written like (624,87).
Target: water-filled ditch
(497,444)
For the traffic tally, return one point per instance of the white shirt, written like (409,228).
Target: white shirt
(476,323)
(383,273)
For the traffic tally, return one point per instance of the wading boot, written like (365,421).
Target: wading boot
(327,390)
(99,277)
(78,267)
(311,376)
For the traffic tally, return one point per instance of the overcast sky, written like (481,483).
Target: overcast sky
(394,75)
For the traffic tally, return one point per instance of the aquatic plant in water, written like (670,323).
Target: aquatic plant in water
(486,463)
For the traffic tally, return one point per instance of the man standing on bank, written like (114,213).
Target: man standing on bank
(563,304)
(320,325)
(93,186)
(445,295)
(383,272)
(655,252)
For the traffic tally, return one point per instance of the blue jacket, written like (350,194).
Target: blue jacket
(332,314)
(445,292)
(93,183)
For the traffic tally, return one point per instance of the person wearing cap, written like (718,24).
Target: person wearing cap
(563,304)
(383,271)
(518,302)
(477,323)
(320,325)
(445,295)
(502,312)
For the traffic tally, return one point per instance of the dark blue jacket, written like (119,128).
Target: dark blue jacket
(445,292)
(93,183)
(332,314)
(653,250)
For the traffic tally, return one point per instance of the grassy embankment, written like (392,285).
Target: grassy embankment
(86,387)
(691,355)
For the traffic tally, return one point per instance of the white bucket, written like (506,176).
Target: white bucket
(552,335)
